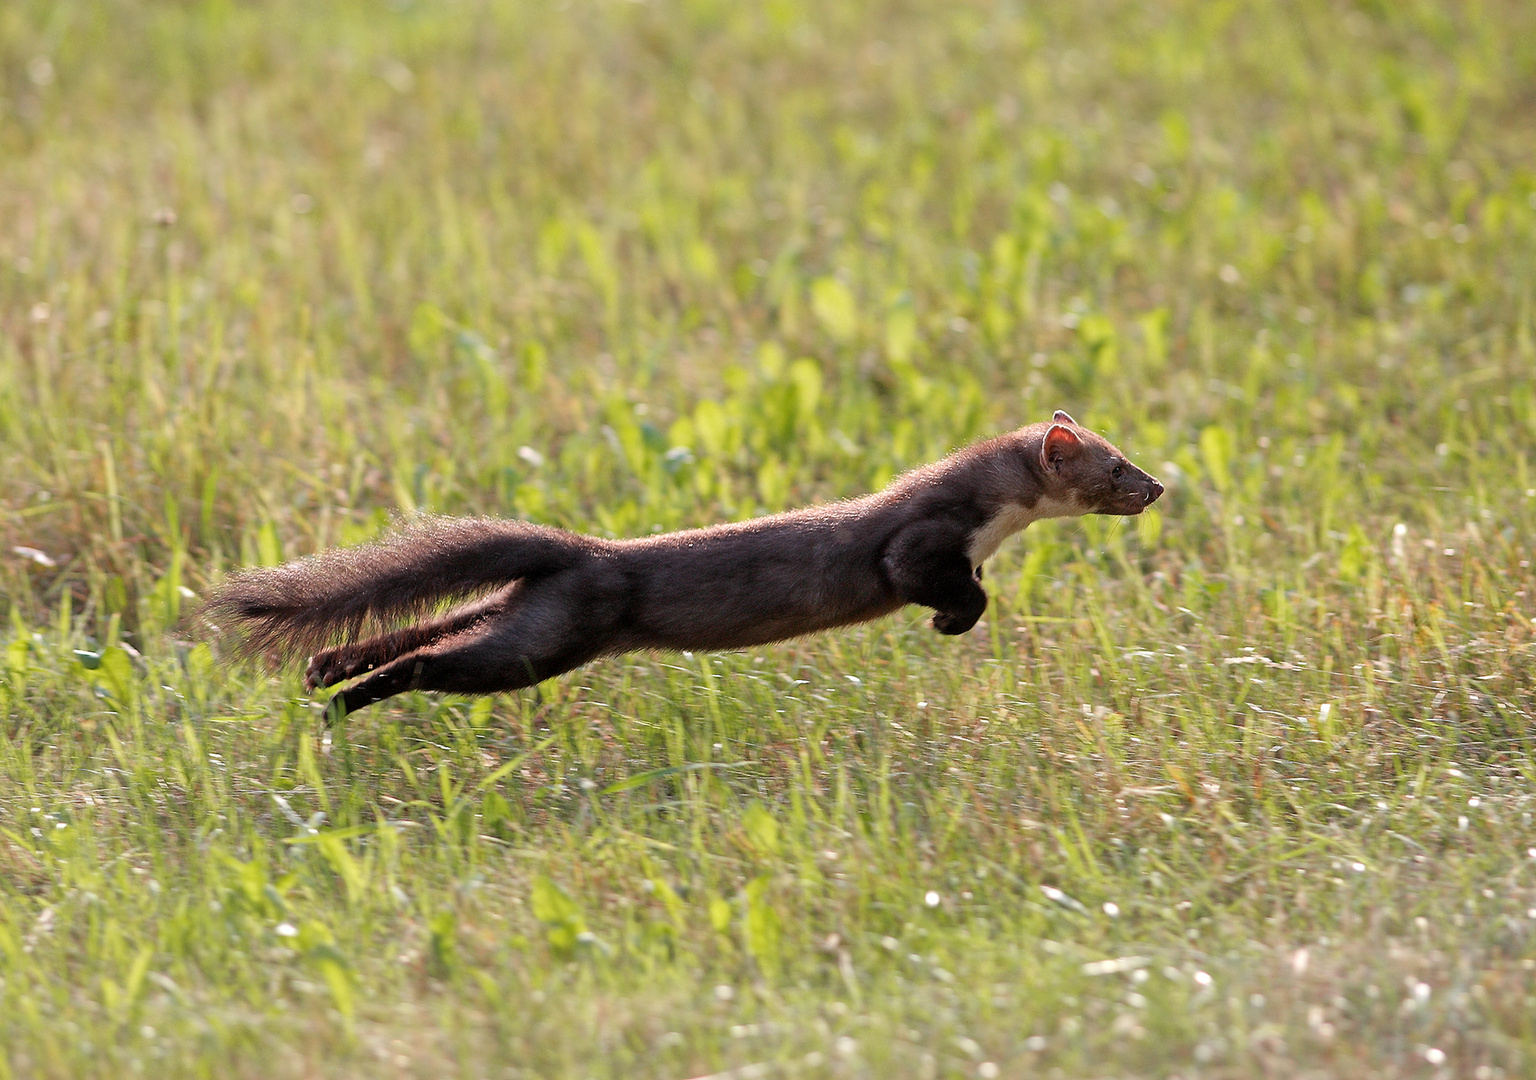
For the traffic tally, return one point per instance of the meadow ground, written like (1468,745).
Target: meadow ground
(1244,788)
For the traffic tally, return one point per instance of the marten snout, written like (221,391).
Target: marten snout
(1144,491)
(1126,489)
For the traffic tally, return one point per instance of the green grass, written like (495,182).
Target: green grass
(1242,789)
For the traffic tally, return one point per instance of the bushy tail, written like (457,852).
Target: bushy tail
(293,609)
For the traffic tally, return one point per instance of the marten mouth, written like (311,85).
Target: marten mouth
(1134,502)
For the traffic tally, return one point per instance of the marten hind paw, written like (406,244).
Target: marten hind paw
(329,668)
(312,674)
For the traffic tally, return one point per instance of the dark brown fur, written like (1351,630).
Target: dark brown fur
(541,601)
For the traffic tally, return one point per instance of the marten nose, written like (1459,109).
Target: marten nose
(1154,491)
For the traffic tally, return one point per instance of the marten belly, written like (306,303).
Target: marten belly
(759,625)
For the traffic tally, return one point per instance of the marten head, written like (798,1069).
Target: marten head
(1089,470)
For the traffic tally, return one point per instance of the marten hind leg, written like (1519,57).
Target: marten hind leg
(331,666)
(474,663)
(558,623)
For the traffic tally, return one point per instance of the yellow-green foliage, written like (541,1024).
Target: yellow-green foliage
(1244,788)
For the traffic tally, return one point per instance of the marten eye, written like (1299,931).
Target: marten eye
(1117,472)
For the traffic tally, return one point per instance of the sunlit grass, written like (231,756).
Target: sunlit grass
(1241,788)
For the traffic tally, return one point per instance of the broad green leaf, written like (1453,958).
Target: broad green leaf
(442,946)
(805,374)
(761,926)
(761,828)
(1355,554)
(900,334)
(833,305)
(551,904)
(720,913)
(1216,454)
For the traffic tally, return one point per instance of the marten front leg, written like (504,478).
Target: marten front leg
(927,564)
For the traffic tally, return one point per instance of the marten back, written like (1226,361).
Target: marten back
(751,582)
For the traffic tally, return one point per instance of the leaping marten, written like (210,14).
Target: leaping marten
(553,600)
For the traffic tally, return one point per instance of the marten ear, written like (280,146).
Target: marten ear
(1060,443)
(1062,418)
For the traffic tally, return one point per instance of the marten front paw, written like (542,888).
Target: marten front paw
(946,622)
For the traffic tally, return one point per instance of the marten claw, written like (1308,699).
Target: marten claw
(325,669)
(335,666)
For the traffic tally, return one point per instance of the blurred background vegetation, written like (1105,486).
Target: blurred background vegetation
(270,268)
(272,272)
